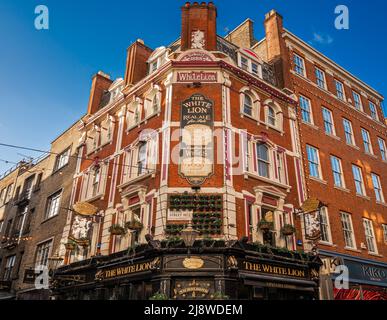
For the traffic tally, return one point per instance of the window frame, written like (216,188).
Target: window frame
(320,81)
(251,107)
(382,148)
(297,68)
(367,144)
(384,227)
(325,226)
(349,122)
(373,110)
(335,173)
(348,230)
(370,235)
(340,94)
(330,122)
(59,157)
(266,162)
(361,181)
(308,112)
(42,252)
(378,189)
(357,103)
(57,197)
(314,162)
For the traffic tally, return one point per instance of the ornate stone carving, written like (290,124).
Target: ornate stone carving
(197,40)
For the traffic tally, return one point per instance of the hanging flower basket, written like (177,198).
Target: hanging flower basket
(134,225)
(265,225)
(84,242)
(288,230)
(117,230)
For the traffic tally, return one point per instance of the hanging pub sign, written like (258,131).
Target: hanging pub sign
(312,220)
(196,145)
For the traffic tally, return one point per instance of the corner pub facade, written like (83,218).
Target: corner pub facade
(197,133)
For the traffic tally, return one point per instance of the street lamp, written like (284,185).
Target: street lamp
(189,235)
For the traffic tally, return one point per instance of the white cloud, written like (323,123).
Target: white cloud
(321,38)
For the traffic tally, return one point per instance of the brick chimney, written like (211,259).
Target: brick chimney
(136,62)
(198,26)
(273,28)
(277,53)
(100,83)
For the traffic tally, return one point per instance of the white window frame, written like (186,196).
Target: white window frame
(314,162)
(53,204)
(384,227)
(62,159)
(382,149)
(325,226)
(340,172)
(304,111)
(266,162)
(352,142)
(299,69)
(321,83)
(361,181)
(370,236)
(347,227)
(330,122)
(357,103)
(377,187)
(367,144)
(340,94)
(373,110)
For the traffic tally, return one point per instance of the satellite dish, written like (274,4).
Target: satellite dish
(85,209)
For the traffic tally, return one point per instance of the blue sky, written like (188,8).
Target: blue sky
(45,75)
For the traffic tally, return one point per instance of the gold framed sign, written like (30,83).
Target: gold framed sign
(197,141)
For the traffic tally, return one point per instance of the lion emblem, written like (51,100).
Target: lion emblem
(197,40)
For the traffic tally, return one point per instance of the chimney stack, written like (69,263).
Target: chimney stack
(273,29)
(136,62)
(100,83)
(198,26)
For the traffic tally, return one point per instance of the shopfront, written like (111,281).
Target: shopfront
(209,271)
(366,279)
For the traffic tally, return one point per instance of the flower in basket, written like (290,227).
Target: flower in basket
(134,225)
(117,230)
(288,230)
(83,242)
(265,225)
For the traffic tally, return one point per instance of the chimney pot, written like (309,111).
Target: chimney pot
(187,4)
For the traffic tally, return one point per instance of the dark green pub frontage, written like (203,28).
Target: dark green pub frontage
(209,270)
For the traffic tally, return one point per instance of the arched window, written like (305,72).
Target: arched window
(271,117)
(247,105)
(273,114)
(263,160)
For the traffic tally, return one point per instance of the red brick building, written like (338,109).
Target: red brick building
(197,132)
(234,136)
(342,135)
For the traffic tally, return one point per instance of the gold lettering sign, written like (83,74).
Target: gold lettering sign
(193,263)
(191,290)
(126,270)
(274,270)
